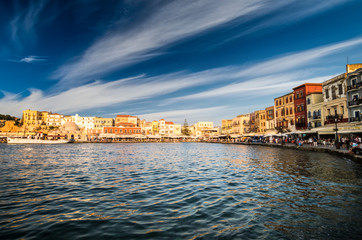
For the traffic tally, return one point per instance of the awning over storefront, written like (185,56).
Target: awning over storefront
(312,131)
(125,136)
(140,137)
(153,136)
(235,136)
(249,135)
(276,135)
(113,135)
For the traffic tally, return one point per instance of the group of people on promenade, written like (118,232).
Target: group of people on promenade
(345,142)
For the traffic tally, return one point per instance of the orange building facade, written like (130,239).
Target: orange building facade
(123,130)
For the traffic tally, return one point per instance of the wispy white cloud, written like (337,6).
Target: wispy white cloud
(22,26)
(304,10)
(269,78)
(296,60)
(201,114)
(170,23)
(272,76)
(262,86)
(29,59)
(100,94)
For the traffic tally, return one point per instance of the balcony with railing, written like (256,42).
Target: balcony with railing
(355,119)
(330,119)
(354,86)
(235,124)
(355,102)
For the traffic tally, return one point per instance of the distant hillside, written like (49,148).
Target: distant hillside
(8,117)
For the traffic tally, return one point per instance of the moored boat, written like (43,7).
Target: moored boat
(35,141)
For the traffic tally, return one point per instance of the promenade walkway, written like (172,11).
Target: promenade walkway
(320,148)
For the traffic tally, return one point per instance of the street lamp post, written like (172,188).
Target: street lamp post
(336,117)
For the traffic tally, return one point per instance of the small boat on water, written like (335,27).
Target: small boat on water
(35,141)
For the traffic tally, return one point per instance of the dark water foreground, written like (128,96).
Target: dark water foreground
(177,191)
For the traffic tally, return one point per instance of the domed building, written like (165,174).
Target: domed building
(68,130)
(69,127)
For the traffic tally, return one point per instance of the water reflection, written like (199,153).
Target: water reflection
(184,190)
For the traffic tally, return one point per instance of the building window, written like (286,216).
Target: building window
(327,93)
(354,82)
(357,115)
(301,93)
(297,95)
(309,114)
(334,92)
(286,112)
(340,89)
(105,131)
(286,100)
(302,106)
(291,110)
(308,100)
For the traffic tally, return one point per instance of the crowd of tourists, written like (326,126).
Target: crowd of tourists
(343,143)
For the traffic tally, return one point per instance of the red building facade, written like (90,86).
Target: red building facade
(300,103)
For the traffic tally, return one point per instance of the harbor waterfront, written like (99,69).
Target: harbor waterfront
(177,191)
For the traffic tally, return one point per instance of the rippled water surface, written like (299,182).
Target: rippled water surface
(177,191)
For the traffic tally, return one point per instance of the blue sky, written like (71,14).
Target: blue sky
(201,60)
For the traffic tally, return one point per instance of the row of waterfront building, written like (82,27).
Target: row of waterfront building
(308,108)
(122,126)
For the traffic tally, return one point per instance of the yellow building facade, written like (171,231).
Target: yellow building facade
(126,119)
(315,110)
(31,118)
(155,127)
(240,124)
(204,129)
(260,121)
(100,122)
(284,112)
(226,126)
(335,99)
